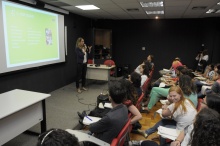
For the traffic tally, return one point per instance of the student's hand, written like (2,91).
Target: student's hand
(175,143)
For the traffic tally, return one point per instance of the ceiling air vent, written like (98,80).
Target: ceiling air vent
(199,8)
(133,10)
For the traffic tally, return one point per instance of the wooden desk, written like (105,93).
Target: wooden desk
(19,111)
(101,72)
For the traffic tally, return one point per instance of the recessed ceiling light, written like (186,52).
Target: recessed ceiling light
(217,11)
(218,3)
(156,17)
(154,12)
(87,7)
(211,11)
(152,4)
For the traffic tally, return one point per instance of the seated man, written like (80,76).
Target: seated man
(111,124)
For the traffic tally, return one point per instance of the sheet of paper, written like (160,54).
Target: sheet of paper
(87,120)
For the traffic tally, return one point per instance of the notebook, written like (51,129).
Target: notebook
(168,132)
(87,120)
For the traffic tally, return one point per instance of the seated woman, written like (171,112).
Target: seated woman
(185,83)
(145,62)
(144,73)
(211,101)
(130,101)
(209,72)
(176,62)
(135,79)
(181,110)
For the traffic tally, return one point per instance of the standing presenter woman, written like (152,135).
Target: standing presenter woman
(82,53)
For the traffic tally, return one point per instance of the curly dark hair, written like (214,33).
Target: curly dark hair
(186,84)
(131,93)
(206,128)
(57,137)
(136,79)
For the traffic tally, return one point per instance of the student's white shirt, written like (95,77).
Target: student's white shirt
(85,58)
(206,57)
(143,79)
(183,119)
(187,136)
(137,70)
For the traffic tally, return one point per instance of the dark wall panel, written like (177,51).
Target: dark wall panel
(165,39)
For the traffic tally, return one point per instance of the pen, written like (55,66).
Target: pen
(88,118)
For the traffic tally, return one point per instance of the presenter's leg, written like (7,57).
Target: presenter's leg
(84,69)
(78,75)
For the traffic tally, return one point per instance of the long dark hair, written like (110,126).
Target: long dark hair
(206,128)
(186,84)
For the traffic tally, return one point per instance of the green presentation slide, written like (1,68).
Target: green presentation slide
(31,35)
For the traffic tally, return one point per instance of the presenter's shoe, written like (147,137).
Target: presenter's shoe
(83,88)
(78,90)
(142,132)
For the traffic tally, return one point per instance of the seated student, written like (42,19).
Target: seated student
(144,71)
(150,59)
(205,132)
(176,62)
(211,101)
(111,124)
(209,72)
(130,100)
(57,137)
(135,79)
(181,110)
(215,87)
(185,83)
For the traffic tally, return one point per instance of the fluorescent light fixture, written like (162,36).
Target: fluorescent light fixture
(211,11)
(154,12)
(87,7)
(55,9)
(33,2)
(152,4)
(217,11)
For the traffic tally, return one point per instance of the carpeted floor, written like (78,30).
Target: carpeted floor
(61,109)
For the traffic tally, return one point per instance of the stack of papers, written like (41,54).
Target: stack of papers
(164,101)
(168,132)
(166,70)
(87,120)
(108,105)
(201,78)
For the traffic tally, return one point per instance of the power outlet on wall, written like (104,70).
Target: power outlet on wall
(143,48)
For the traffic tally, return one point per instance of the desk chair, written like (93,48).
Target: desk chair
(110,63)
(90,61)
(118,141)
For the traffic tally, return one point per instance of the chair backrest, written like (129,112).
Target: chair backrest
(90,61)
(199,104)
(138,104)
(146,85)
(109,62)
(120,139)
